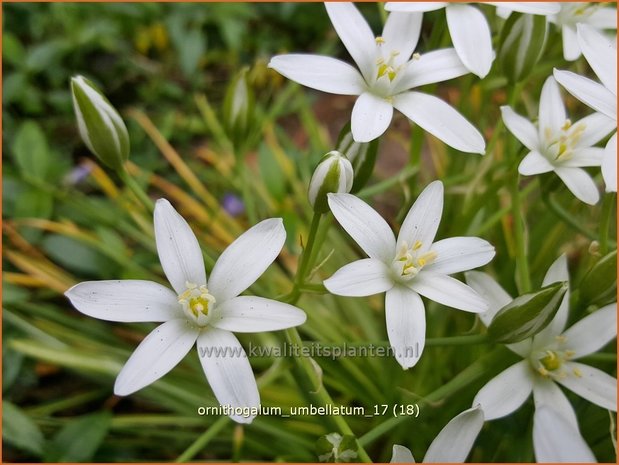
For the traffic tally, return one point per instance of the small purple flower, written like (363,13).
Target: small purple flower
(233,204)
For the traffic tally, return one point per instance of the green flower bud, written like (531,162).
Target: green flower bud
(522,42)
(362,155)
(333,174)
(101,127)
(238,107)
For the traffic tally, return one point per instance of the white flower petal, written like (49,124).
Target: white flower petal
(436,66)
(603,18)
(579,183)
(531,8)
(228,371)
(457,254)
(471,37)
(551,109)
(609,164)
(557,273)
(521,128)
(319,72)
(591,384)
(556,441)
(534,163)
(455,441)
(401,34)
(546,393)
(364,225)
(592,129)
(441,120)
(588,156)
(360,278)
(126,300)
(592,332)
(249,314)
(422,220)
(571,49)
(371,116)
(355,34)
(600,54)
(406,325)
(179,252)
(490,291)
(244,261)
(415,6)
(507,391)
(589,92)
(156,355)
(448,291)
(401,454)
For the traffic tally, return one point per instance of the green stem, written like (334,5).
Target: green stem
(305,263)
(202,440)
(607,211)
(522,263)
(137,190)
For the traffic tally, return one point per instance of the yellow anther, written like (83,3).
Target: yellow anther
(577,372)
(542,371)
(569,354)
(379,40)
(417,245)
(566,125)
(416,56)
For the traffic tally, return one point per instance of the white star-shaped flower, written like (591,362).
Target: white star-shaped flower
(469,30)
(559,145)
(601,54)
(196,311)
(549,357)
(408,267)
(388,70)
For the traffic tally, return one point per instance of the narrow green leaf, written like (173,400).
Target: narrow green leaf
(19,430)
(79,440)
(31,151)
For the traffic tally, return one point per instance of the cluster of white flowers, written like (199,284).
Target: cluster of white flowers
(414,264)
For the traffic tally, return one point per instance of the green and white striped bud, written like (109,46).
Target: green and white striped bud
(362,155)
(101,127)
(238,107)
(334,174)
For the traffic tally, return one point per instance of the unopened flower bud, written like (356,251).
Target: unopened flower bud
(101,127)
(238,107)
(333,174)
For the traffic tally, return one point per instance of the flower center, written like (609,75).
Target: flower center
(197,303)
(560,146)
(410,260)
(550,363)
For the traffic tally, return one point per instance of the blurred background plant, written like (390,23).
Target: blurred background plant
(172,70)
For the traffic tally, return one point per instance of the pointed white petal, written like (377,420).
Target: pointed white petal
(458,254)
(580,184)
(589,92)
(406,325)
(609,164)
(448,291)
(534,163)
(365,226)
(355,34)
(422,220)
(551,109)
(179,252)
(593,128)
(591,384)
(415,6)
(401,454)
(557,272)
(592,332)
(156,355)
(455,441)
(360,278)
(507,391)
(319,72)
(571,49)
(471,37)
(436,66)
(603,18)
(401,34)
(126,300)
(248,314)
(546,393)
(228,371)
(521,128)
(490,291)
(441,120)
(555,440)
(371,116)
(242,263)
(531,8)
(600,54)
(589,156)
